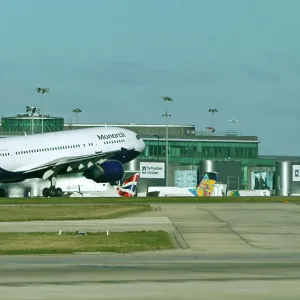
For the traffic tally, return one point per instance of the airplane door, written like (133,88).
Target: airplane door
(97,146)
(13,159)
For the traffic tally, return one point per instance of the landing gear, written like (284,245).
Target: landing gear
(52,191)
(59,192)
(45,192)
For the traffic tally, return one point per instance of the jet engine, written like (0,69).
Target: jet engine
(108,171)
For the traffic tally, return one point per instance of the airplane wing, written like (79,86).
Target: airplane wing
(67,164)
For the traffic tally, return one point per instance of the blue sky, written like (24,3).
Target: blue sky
(115,59)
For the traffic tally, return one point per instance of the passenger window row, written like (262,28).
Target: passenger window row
(50,149)
(114,141)
(4,154)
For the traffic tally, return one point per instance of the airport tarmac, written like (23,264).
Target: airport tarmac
(176,274)
(226,251)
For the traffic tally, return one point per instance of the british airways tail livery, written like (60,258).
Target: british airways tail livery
(128,187)
(98,153)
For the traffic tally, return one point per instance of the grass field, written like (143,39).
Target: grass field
(67,212)
(141,200)
(52,243)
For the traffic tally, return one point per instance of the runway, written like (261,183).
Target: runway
(177,274)
(225,251)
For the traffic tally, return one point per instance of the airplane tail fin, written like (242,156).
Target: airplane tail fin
(206,185)
(209,178)
(128,187)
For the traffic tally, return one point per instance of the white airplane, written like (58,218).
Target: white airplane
(99,153)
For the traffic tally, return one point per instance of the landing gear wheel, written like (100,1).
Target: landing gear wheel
(45,192)
(52,191)
(2,193)
(59,192)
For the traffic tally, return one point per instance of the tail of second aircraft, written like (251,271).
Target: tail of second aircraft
(206,185)
(128,187)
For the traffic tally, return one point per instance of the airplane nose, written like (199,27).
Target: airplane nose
(139,144)
(143,145)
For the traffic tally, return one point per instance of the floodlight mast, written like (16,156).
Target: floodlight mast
(77,111)
(213,111)
(42,91)
(167,115)
(31,111)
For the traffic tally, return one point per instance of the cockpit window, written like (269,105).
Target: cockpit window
(137,137)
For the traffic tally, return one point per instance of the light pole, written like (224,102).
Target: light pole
(31,110)
(76,111)
(167,115)
(42,91)
(213,111)
(233,121)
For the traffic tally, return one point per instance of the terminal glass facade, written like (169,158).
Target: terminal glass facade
(188,154)
(32,124)
(201,150)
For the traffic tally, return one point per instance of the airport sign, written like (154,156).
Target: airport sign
(296,172)
(152,170)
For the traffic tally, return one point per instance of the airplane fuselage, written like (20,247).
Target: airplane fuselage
(20,155)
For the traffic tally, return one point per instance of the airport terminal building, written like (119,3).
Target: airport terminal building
(190,153)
